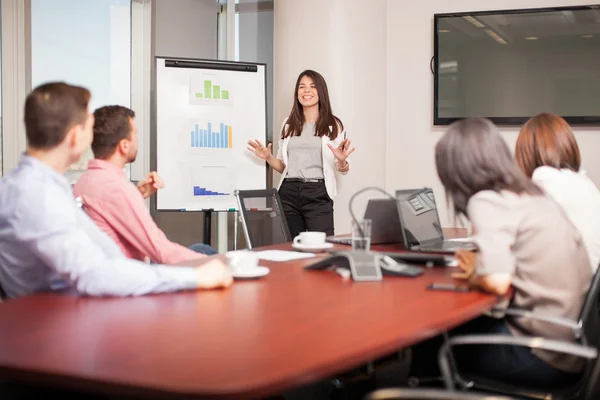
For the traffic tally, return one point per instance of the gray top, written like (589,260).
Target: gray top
(305,159)
(48,243)
(531,239)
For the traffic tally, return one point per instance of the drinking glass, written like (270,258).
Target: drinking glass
(361,235)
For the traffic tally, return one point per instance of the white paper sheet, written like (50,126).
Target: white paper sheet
(282,255)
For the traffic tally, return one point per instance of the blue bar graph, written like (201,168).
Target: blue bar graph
(200,191)
(224,136)
(207,138)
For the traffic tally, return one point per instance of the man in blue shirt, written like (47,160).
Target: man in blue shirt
(46,241)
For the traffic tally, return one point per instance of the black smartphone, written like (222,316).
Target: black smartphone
(448,287)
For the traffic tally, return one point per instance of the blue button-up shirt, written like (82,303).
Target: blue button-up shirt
(47,243)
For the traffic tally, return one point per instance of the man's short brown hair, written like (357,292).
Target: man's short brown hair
(51,110)
(547,139)
(111,125)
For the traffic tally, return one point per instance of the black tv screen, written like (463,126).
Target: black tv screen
(511,65)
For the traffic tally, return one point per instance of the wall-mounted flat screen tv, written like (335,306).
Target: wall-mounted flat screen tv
(513,64)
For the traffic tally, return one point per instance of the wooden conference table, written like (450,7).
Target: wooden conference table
(257,338)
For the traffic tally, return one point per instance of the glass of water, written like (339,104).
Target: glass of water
(361,235)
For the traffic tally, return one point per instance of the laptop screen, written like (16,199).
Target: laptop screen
(419,217)
(385,227)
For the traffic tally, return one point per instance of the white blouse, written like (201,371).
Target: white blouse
(579,198)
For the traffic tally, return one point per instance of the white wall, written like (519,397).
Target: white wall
(345,41)
(411,136)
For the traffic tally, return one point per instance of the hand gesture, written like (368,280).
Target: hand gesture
(342,152)
(259,149)
(214,274)
(466,262)
(150,184)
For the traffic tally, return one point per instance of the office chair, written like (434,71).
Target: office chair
(429,394)
(586,331)
(262,217)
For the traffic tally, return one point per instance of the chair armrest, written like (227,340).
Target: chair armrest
(531,342)
(430,394)
(567,323)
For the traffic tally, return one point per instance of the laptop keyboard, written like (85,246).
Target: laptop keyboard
(448,246)
(344,240)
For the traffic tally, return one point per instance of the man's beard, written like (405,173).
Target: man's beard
(132,157)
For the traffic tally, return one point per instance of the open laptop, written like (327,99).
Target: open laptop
(385,223)
(420,221)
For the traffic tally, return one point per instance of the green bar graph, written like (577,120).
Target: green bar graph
(211,92)
(208,89)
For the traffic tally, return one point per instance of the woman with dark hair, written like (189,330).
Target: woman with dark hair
(313,150)
(547,152)
(524,241)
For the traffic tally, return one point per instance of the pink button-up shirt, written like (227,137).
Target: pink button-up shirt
(118,208)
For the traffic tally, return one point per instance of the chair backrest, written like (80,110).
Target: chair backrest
(3,295)
(589,321)
(426,394)
(262,217)
(589,318)
(592,381)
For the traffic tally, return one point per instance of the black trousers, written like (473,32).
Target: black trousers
(307,207)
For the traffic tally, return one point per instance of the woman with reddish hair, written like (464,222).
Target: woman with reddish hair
(547,152)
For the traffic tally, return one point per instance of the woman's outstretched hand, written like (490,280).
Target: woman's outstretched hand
(343,150)
(260,150)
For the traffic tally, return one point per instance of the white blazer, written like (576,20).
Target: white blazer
(579,198)
(330,171)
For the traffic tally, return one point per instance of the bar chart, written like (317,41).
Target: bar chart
(212,92)
(222,138)
(203,90)
(201,191)
(213,181)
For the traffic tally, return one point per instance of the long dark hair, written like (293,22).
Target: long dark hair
(326,118)
(471,157)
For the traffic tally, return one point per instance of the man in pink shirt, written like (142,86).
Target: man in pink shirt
(115,204)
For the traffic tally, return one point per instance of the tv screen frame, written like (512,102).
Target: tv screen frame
(591,120)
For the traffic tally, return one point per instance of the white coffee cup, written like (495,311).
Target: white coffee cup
(242,260)
(310,239)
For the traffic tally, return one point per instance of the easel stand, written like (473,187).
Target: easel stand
(207,226)
(221,229)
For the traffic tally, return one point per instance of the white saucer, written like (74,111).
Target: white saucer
(321,247)
(251,273)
